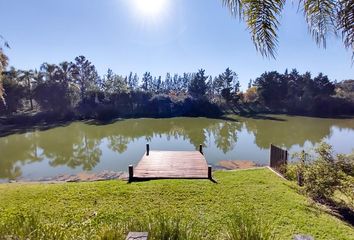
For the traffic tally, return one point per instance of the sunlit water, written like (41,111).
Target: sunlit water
(90,147)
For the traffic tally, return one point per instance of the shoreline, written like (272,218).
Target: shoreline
(106,175)
(79,177)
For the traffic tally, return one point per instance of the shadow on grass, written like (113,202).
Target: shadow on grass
(168,178)
(340,211)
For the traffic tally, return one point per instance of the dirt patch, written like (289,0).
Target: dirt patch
(80,177)
(237,164)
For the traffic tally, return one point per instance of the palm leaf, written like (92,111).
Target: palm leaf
(262,20)
(261,17)
(6,44)
(346,23)
(235,7)
(320,16)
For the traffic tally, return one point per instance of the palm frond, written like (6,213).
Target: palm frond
(235,7)
(320,16)
(346,23)
(261,17)
(6,44)
(262,20)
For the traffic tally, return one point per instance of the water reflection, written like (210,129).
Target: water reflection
(82,145)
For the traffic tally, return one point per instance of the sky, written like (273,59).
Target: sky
(160,36)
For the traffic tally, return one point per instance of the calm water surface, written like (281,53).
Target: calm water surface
(90,147)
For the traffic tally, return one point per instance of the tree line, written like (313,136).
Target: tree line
(75,90)
(292,92)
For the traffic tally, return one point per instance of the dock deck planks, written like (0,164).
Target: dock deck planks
(172,164)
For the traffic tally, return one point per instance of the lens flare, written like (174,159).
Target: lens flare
(150,8)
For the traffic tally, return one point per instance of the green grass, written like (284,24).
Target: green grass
(108,209)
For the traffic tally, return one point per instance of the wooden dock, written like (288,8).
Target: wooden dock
(170,165)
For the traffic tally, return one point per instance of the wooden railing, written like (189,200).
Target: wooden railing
(278,159)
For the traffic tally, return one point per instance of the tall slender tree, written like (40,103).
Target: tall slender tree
(146,81)
(113,83)
(28,78)
(226,84)
(3,65)
(198,85)
(85,75)
(168,82)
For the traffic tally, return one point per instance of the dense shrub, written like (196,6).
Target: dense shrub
(161,105)
(14,93)
(53,96)
(325,174)
(200,107)
(106,112)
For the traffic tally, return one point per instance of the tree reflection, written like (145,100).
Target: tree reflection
(118,143)
(292,130)
(79,145)
(17,150)
(226,135)
(72,146)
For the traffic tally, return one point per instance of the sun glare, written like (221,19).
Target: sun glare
(150,8)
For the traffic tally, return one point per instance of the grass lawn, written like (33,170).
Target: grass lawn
(87,209)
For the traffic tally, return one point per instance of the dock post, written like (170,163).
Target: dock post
(201,148)
(147,149)
(131,173)
(209,172)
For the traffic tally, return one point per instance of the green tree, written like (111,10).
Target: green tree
(3,64)
(345,89)
(250,83)
(198,85)
(85,76)
(322,86)
(210,84)
(186,80)
(168,83)
(65,73)
(323,18)
(113,83)
(157,84)
(56,96)
(228,83)
(133,81)
(49,71)
(272,88)
(56,88)
(177,83)
(146,81)
(15,92)
(28,78)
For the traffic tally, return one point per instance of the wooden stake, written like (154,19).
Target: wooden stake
(201,148)
(209,172)
(131,173)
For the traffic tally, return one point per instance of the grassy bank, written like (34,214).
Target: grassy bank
(112,207)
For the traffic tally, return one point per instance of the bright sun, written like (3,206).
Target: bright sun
(150,7)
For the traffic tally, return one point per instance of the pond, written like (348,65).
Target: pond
(92,147)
